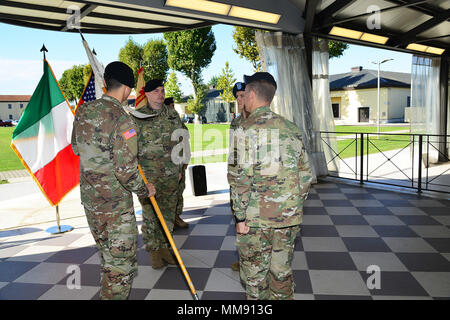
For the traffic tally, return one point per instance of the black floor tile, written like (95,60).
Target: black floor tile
(329,261)
(396,203)
(313,196)
(365,244)
(217,219)
(328,190)
(90,275)
(442,245)
(396,284)
(231,230)
(348,220)
(426,262)
(217,295)
(337,203)
(11,270)
(318,231)
(394,231)
(360,196)
(173,278)
(73,256)
(138,294)
(23,291)
(418,220)
(314,211)
(203,243)
(436,211)
(374,211)
(226,258)
(302,282)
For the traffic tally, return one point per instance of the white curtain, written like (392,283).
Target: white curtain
(322,103)
(425,103)
(284,57)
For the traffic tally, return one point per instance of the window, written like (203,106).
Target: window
(10,117)
(21,105)
(9,106)
(336,110)
(408,101)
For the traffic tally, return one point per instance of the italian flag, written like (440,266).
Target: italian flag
(42,139)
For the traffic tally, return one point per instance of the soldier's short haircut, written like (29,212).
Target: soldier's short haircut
(262,89)
(112,84)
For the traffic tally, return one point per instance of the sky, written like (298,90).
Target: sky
(21,60)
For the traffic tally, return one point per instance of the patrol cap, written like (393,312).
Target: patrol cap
(153,84)
(260,76)
(120,72)
(238,86)
(168,101)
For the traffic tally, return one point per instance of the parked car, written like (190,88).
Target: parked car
(5,123)
(15,122)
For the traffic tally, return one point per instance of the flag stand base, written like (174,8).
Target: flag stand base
(58,229)
(61,229)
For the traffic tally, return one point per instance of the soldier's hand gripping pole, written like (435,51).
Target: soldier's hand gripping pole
(169,237)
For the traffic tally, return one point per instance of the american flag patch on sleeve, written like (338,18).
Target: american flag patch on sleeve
(129,134)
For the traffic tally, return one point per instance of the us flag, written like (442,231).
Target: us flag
(89,91)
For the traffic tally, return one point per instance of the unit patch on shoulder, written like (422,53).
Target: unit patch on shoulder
(129,134)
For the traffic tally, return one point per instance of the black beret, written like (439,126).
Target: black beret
(168,101)
(260,76)
(121,72)
(153,84)
(238,86)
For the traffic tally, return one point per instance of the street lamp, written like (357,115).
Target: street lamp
(378,94)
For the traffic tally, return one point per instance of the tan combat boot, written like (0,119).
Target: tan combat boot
(156,259)
(167,256)
(180,223)
(235,266)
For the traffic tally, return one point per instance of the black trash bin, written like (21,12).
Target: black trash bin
(198,180)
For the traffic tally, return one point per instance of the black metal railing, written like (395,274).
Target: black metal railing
(417,161)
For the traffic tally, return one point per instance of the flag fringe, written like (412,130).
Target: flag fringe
(36,180)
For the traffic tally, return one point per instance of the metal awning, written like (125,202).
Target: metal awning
(403,25)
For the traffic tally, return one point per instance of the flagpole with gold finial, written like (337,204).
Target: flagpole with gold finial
(59,228)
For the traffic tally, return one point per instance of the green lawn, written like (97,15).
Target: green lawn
(216,136)
(8,159)
(367,129)
(347,148)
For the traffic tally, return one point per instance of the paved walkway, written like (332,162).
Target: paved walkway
(346,229)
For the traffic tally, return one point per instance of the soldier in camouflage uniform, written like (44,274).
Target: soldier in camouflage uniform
(238,92)
(180,223)
(104,137)
(156,144)
(271,185)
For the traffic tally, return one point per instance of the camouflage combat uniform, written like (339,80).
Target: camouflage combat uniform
(182,184)
(269,193)
(105,138)
(232,153)
(155,149)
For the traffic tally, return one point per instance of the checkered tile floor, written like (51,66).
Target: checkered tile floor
(346,229)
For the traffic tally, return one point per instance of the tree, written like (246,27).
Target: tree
(213,81)
(247,47)
(226,82)
(73,81)
(152,57)
(132,55)
(172,87)
(189,52)
(195,103)
(155,60)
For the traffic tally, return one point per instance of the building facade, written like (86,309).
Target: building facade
(354,96)
(12,106)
